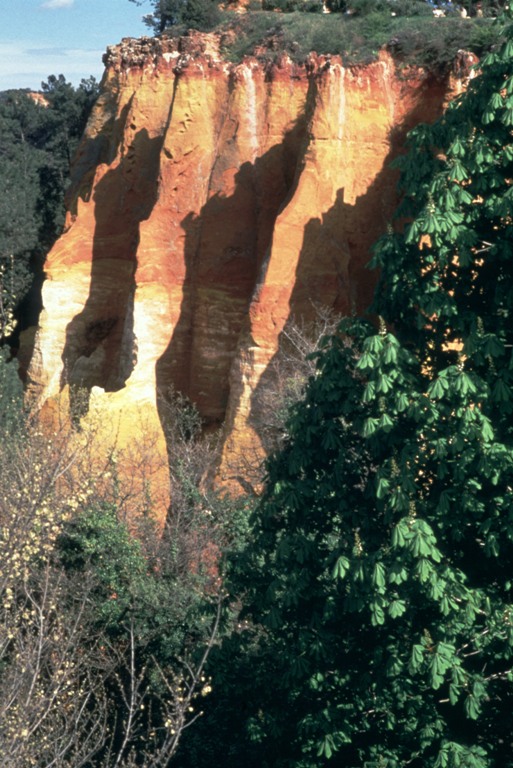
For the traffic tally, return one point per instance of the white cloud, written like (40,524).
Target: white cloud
(57,4)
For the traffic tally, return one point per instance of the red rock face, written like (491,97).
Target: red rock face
(211,203)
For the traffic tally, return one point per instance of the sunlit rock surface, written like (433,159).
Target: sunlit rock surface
(211,203)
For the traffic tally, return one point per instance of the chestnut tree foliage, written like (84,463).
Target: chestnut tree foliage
(378,585)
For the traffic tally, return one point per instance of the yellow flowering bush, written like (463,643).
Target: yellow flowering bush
(104,637)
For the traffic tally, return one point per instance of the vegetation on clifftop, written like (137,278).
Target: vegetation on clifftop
(355,30)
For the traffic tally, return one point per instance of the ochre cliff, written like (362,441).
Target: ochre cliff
(210,204)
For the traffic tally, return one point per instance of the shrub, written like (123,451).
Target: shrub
(202,15)
(366,7)
(410,8)
(103,636)
(412,34)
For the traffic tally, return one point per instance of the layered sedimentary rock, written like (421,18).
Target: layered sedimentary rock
(210,204)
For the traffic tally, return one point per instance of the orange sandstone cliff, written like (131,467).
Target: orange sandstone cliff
(210,204)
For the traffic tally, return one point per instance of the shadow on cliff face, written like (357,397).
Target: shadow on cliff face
(225,245)
(332,268)
(100,348)
(323,283)
(94,151)
(91,152)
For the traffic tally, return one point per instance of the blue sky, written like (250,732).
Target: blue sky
(52,37)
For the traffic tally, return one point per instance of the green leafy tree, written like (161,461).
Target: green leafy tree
(378,585)
(19,171)
(63,124)
(37,142)
(194,14)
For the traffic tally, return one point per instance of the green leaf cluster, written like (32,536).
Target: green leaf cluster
(378,583)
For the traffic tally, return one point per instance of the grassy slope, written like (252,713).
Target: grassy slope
(407,27)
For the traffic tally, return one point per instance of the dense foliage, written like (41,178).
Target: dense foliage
(37,141)
(378,613)
(193,14)
(355,30)
(106,623)
(366,620)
